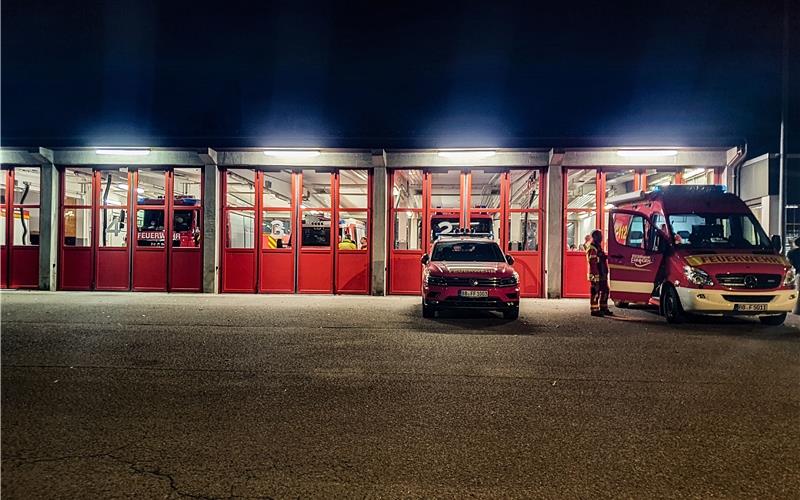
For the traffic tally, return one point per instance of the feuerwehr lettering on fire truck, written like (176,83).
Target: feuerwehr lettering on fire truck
(640,260)
(156,235)
(700,260)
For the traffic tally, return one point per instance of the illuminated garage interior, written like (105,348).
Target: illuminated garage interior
(331,221)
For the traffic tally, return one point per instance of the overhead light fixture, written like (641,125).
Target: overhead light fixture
(123,152)
(292,153)
(646,153)
(469,154)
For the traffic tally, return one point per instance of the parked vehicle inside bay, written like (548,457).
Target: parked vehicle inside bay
(150,223)
(469,272)
(696,249)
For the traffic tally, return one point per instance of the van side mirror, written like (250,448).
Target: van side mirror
(777,242)
(425,258)
(510,260)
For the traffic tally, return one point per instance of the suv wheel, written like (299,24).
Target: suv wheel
(671,306)
(773,319)
(512,313)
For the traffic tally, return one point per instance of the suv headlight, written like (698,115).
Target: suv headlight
(697,276)
(513,280)
(435,280)
(790,278)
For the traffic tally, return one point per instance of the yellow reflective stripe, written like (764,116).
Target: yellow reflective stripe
(631,286)
(626,268)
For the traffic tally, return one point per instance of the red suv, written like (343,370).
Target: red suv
(467,272)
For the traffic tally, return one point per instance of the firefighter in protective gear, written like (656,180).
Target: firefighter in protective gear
(598,275)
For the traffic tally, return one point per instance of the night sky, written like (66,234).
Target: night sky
(374,74)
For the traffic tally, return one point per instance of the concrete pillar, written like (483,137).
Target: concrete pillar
(379,225)
(554,250)
(48,227)
(211,223)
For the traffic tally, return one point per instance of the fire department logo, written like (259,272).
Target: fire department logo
(641,260)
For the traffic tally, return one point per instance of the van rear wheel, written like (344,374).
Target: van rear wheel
(773,319)
(671,306)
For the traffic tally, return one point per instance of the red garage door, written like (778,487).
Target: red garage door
(296,231)
(103,249)
(504,202)
(19,227)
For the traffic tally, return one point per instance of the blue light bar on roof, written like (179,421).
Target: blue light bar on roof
(692,188)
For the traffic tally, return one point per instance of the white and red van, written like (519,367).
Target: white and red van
(696,249)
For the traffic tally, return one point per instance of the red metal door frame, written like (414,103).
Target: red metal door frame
(430,212)
(568,257)
(308,283)
(22,271)
(174,252)
(5,249)
(525,255)
(97,250)
(278,254)
(64,250)
(147,274)
(225,252)
(469,211)
(367,253)
(395,256)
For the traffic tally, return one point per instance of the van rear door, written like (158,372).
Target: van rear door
(634,257)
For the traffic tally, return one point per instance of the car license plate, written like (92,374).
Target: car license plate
(750,307)
(474,293)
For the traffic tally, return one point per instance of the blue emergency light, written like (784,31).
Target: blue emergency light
(692,188)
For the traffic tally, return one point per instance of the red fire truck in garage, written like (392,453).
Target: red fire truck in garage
(696,249)
(185,224)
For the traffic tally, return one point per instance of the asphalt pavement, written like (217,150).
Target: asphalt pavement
(231,396)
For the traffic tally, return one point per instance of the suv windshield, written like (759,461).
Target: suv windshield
(468,251)
(718,231)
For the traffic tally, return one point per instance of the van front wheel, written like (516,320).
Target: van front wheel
(671,306)
(773,320)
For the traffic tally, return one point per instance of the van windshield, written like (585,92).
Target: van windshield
(734,231)
(467,251)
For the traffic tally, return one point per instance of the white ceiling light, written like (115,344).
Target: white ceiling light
(646,153)
(475,154)
(292,153)
(123,152)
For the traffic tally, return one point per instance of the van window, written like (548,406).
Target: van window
(718,231)
(630,230)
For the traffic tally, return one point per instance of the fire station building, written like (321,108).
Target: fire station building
(327,221)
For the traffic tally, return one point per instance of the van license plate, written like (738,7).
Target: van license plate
(750,307)
(474,293)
